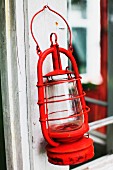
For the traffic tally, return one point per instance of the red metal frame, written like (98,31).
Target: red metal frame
(41,102)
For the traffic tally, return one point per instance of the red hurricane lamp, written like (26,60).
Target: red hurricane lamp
(63,111)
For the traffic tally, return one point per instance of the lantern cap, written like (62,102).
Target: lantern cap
(58,72)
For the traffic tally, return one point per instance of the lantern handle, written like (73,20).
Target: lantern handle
(37,45)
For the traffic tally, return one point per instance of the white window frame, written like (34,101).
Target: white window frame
(92,25)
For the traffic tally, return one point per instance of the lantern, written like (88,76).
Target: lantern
(63,111)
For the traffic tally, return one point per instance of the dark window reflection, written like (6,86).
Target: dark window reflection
(79,48)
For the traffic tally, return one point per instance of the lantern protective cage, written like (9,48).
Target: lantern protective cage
(63,111)
(64,108)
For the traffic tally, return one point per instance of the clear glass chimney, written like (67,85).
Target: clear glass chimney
(63,105)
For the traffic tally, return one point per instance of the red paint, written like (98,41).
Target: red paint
(71,153)
(64,133)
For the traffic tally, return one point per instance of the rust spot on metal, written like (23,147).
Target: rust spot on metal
(71,160)
(80,157)
(59,160)
(56,23)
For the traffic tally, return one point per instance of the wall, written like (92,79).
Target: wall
(24,143)
(43,25)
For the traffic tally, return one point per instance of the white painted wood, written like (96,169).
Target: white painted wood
(98,140)
(4,87)
(103,163)
(14,111)
(100,123)
(98,137)
(23,54)
(93,42)
(43,26)
(15,103)
(25,146)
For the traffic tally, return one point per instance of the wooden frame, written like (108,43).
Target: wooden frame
(14,95)
(24,143)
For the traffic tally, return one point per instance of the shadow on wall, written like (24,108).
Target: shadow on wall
(2,144)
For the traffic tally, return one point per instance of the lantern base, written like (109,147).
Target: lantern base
(71,153)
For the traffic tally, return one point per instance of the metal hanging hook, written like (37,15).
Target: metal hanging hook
(31,28)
